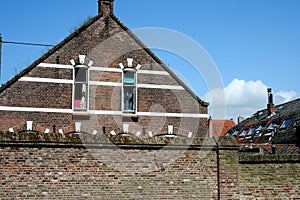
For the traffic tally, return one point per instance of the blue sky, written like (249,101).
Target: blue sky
(254,43)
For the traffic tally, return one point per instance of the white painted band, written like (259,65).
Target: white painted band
(45,80)
(112,84)
(104,69)
(100,112)
(189,115)
(153,72)
(30,109)
(166,87)
(59,66)
(105,112)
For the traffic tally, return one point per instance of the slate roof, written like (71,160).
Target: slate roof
(269,149)
(283,127)
(281,149)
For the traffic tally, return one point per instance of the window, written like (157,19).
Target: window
(285,123)
(271,129)
(235,133)
(244,132)
(80,88)
(129,91)
(250,133)
(272,126)
(258,131)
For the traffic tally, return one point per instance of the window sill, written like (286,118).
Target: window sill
(81,113)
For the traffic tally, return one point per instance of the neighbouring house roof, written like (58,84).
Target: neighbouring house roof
(220,127)
(268,149)
(282,127)
(81,29)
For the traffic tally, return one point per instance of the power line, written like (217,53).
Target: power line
(19,43)
(27,43)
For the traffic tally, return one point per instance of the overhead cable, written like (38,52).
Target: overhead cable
(27,43)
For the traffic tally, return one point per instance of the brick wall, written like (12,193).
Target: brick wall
(72,166)
(46,120)
(75,174)
(103,40)
(270,177)
(118,168)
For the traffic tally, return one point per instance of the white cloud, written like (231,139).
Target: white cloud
(243,98)
(285,96)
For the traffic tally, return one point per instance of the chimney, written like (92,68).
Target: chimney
(240,119)
(105,7)
(270,106)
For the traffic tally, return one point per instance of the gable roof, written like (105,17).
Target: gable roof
(220,127)
(286,111)
(81,29)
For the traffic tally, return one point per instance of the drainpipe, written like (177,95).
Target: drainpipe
(0,55)
(274,142)
(218,168)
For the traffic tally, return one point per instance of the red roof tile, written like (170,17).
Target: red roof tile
(220,127)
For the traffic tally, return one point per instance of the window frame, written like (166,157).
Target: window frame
(86,108)
(283,123)
(135,93)
(250,132)
(258,131)
(244,132)
(235,133)
(272,126)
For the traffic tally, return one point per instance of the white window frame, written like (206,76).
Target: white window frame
(134,111)
(86,92)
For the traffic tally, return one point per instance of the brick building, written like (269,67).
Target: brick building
(101,79)
(107,62)
(272,130)
(219,127)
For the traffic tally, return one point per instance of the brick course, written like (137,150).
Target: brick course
(104,40)
(72,166)
(147,169)
(270,177)
(75,174)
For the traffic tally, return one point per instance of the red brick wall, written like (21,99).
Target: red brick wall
(270,177)
(37,95)
(97,43)
(70,166)
(46,120)
(141,171)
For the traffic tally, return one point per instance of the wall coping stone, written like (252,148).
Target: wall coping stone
(276,158)
(75,140)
